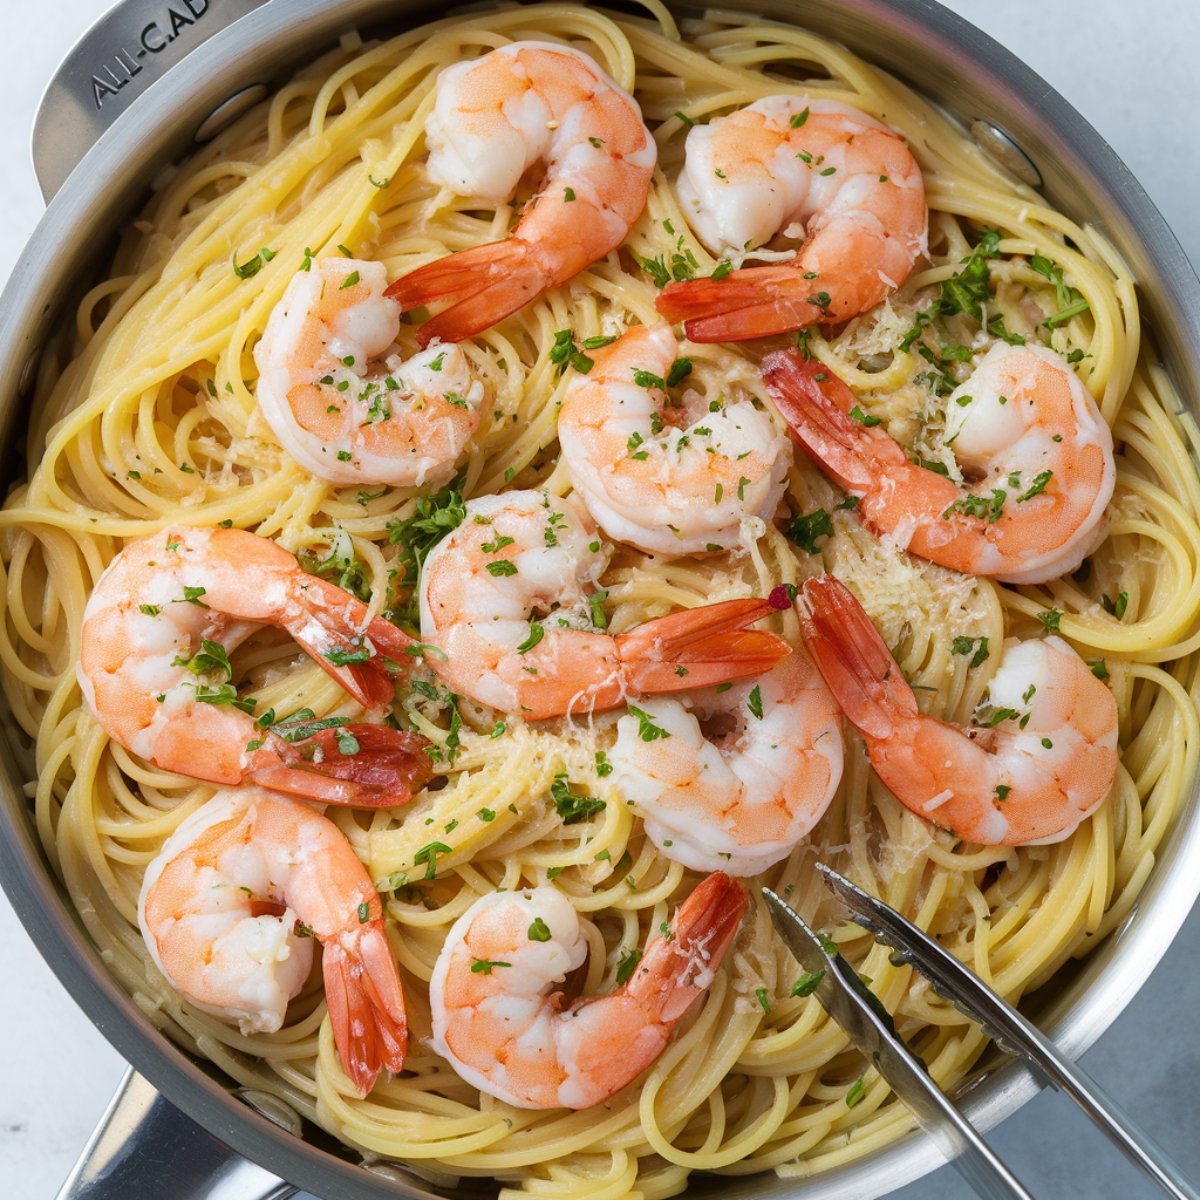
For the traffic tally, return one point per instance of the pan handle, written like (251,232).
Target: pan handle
(119,57)
(144,1146)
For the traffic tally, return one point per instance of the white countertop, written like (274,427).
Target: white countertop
(1131,70)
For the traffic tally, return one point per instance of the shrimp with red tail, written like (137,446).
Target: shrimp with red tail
(230,908)
(1040,759)
(815,169)
(154,668)
(500,1018)
(493,119)
(511,602)
(1035,453)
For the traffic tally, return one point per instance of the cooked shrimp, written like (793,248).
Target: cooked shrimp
(526,103)
(676,480)
(1025,432)
(231,904)
(341,409)
(506,1029)
(810,168)
(1042,761)
(733,780)
(154,668)
(512,600)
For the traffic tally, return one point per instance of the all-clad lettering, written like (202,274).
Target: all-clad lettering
(153,39)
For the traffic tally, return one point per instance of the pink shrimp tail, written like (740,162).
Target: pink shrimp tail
(853,659)
(482,285)
(387,767)
(816,404)
(751,302)
(326,627)
(366,1007)
(678,968)
(700,647)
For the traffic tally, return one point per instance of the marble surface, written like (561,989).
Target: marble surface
(1130,70)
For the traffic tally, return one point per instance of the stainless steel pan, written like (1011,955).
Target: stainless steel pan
(146,82)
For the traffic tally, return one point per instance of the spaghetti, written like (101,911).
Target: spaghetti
(147,418)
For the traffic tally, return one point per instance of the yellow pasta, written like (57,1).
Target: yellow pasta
(146,418)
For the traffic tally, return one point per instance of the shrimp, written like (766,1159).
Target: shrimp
(401,423)
(506,1029)
(811,168)
(1023,426)
(524,553)
(678,480)
(742,795)
(1043,760)
(154,669)
(229,909)
(493,118)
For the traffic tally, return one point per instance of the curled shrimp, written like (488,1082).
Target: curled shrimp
(811,168)
(676,480)
(734,780)
(511,598)
(1044,761)
(154,669)
(493,118)
(229,909)
(1027,435)
(506,1029)
(341,413)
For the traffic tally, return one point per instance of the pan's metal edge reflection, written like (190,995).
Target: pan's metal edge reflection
(900,35)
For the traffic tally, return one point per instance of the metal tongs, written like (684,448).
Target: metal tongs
(860,1014)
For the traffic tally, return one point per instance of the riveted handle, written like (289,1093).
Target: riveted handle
(134,44)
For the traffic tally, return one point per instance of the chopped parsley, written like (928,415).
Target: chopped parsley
(627,964)
(807,983)
(191,595)
(570,805)
(966,645)
(1050,619)
(429,855)
(483,966)
(1070,301)
(681,368)
(1116,607)
(596,609)
(342,656)
(983,507)
(536,633)
(250,268)
(539,931)
(433,518)
(647,730)
(340,566)
(211,659)
(565,353)
(1037,487)
(804,530)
